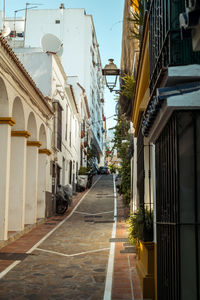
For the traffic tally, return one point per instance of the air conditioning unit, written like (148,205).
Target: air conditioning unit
(190,22)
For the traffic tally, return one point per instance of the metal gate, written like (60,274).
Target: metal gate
(178,207)
(140,167)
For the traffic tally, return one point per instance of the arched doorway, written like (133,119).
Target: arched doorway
(17,169)
(42,163)
(31,171)
(5,128)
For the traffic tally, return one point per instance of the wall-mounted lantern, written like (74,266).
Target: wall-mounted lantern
(111,72)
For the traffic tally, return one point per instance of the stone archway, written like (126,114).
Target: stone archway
(42,163)
(4,104)
(17,169)
(31,171)
(6,122)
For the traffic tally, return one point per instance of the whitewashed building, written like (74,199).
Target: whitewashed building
(49,75)
(80,56)
(25,155)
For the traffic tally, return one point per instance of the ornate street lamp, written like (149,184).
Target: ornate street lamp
(111,72)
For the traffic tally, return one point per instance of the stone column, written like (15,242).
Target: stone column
(41,198)
(17,180)
(31,182)
(5,129)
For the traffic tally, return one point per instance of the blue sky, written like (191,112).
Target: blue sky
(107,16)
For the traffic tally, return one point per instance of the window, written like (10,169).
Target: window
(70,133)
(59,127)
(70,172)
(58,169)
(66,128)
(57,21)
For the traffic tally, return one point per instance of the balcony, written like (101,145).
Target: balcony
(166,47)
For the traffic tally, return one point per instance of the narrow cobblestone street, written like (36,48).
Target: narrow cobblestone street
(69,259)
(71,263)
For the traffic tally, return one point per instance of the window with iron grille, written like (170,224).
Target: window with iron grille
(165,44)
(59,127)
(178,207)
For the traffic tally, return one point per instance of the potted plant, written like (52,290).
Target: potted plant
(141,234)
(141,226)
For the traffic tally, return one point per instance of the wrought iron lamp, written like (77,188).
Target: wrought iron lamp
(111,72)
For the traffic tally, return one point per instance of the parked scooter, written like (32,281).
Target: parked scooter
(90,178)
(63,198)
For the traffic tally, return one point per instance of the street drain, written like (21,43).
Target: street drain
(93,216)
(104,221)
(49,223)
(102,194)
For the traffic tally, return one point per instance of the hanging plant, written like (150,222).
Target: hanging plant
(126,95)
(136,19)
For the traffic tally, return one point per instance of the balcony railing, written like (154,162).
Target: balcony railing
(165,43)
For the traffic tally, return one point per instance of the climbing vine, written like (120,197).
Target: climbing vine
(121,144)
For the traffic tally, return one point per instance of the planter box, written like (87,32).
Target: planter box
(145,268)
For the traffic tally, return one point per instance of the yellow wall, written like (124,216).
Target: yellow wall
(141,96)
(134,4)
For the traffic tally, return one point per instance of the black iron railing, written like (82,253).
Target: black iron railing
(145,206)
(140,168)
(178,207)
(165,43)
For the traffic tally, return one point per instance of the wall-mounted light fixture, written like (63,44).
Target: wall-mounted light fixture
(111,72)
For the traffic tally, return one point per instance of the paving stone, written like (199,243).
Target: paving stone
(45,275)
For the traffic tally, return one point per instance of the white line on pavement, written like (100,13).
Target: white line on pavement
(71,255)
(109,276)
(3,273)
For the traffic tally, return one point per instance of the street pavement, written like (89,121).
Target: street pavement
(67,257)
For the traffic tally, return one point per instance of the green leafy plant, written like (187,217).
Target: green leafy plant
(82,171)
(141,226)
(136,19)
(127,86)
(121,143)
(126,95)
(112,168)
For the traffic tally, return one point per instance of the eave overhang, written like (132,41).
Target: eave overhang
(44,106)
(166,101)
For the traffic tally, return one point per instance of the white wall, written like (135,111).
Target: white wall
(75,31)
(39,65)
